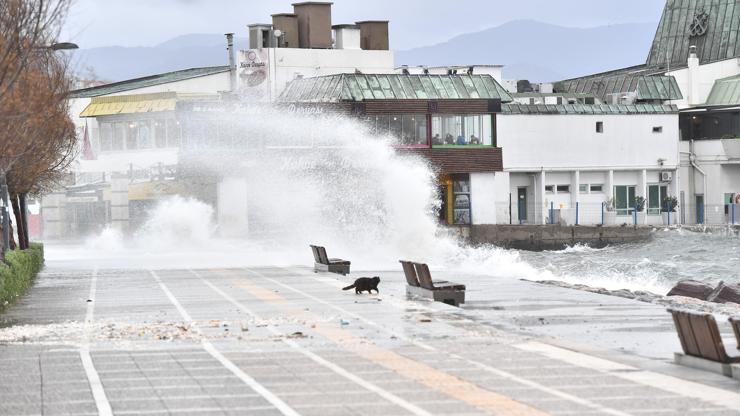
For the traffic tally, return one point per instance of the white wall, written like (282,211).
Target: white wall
(569,142)
(284,64)
(489,197)
(704,78)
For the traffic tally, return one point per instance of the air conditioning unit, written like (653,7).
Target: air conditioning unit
(666,176)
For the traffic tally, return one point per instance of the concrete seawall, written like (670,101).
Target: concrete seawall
(555,237)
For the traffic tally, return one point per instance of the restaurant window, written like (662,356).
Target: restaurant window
(160,133)
(174,133)
(624,199)
(462,130)
(119,135)
(461,200)
(106,137)
(406,129)
(132,130)
(656,195)
(143,135)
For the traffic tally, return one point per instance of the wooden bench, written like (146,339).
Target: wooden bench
(701,342)
(419,283)
(322,262)
(735,322)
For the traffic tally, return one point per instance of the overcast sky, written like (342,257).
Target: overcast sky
(94,23)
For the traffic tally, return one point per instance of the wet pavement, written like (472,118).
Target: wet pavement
(270,341)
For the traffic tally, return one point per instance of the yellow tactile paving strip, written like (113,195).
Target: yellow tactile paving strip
(452,386)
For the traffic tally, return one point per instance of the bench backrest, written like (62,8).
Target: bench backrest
(410,271)
(315,252)
(699,335)
(319,254)
(425,278)
(735,321)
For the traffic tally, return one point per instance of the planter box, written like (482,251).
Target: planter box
(610,218)
(641,218)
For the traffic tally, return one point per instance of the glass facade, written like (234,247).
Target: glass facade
(461,200)
(405,129)
(138,134)
(462,130)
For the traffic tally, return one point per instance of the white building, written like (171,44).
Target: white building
(697,44)
(130,134)
(590,160)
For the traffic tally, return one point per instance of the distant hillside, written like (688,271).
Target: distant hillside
(529,50)
(541,52)
(115,63)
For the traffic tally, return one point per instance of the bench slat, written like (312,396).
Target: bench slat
(686,334)
(735,321)
(410,272)
(705,338)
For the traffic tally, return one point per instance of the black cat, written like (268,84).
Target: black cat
(364,284)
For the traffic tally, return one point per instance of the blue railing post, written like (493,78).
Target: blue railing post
(701,214)
(634,215)
(733,214)
(552,212)
(669,218)
(577,207)
(603,205)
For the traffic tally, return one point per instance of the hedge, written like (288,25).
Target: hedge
(18,271)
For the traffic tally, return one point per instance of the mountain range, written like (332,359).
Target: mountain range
(529,50)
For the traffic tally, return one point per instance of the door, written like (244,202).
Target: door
(442,195)
(700,209)
(521,201)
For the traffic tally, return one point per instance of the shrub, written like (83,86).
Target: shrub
(639,203)
(669,204)
(18,271)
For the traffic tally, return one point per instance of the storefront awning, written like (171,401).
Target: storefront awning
(130,104)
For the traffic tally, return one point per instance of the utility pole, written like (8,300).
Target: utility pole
(5,213)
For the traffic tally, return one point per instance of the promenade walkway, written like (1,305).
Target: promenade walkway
(286,341)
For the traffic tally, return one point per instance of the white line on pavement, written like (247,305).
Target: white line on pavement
(96,386)
(257,387)
(671,384)
(319,360)
(427,347)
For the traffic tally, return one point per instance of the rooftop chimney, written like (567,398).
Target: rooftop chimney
(260,36)
(314,24)
(232,61)
(692,78)
(374,35)
(287,24)
(347,36)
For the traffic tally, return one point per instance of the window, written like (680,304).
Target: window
(160,133)
(119,136)
(599,127)
(597,188)
(106,137)
(459,130)
(624,199)
(583,189)
(461,200)
(656,195)
(406,129)
(548,188)
(563,189)
(658,129)
(131,133)
(143,135)
(174,133)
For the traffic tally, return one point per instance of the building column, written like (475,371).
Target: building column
(610,185)
(541,210)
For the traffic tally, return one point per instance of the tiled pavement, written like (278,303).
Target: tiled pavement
(287,341)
